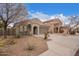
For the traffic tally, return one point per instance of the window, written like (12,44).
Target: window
(25,27)
(21,28)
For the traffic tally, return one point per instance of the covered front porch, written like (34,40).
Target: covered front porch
(32,29)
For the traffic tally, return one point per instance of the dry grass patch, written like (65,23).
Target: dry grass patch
(27,46)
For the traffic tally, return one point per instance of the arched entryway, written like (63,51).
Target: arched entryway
(35,30)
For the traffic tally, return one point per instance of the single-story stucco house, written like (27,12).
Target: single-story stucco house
(35,26)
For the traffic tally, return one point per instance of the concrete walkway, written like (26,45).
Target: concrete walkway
(61,45)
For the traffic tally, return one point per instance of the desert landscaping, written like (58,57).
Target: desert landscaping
(25,46)
(55,45)
(21,35)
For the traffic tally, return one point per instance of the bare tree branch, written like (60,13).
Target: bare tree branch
(10,12)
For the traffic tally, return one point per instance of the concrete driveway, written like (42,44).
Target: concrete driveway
(61,45)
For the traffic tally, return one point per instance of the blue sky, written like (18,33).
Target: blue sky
(54,8)
(48,11)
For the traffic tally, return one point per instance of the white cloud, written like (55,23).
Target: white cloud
(63,18)
(39,15)
(60,16)
(45,17)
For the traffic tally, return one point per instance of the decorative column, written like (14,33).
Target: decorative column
(32,29)
(38,29)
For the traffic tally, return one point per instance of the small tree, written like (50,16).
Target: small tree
(46,35)
(10,13)
(74,22)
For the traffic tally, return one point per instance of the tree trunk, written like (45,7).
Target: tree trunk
(5,31)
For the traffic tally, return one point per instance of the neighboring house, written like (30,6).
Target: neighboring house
(64,29)
(77,29)
(35,26)
(54,24)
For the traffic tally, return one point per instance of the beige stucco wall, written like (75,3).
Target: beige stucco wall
(43,29)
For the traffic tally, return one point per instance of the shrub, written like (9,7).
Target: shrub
(2,43)
(77,31)
(46,35)
(28,32)
(61,31)
(29,47)
(72,32)
(10,42)
(17,35)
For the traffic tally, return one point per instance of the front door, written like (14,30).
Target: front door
(35,30)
